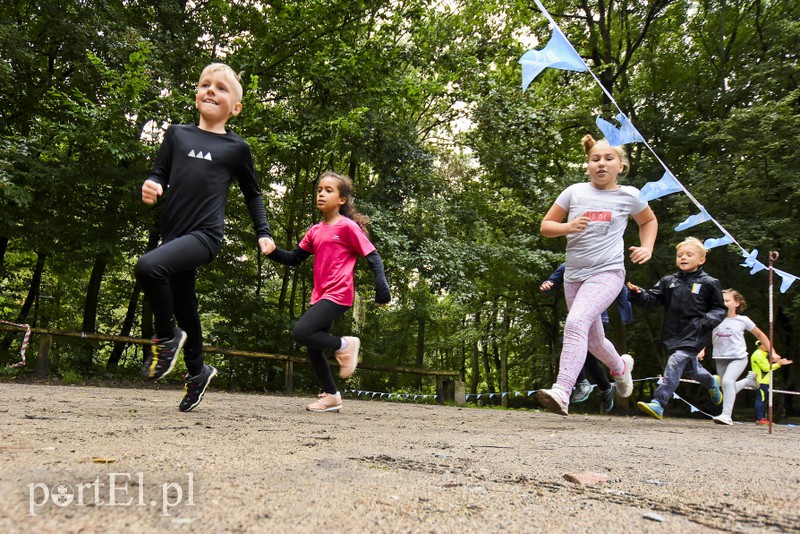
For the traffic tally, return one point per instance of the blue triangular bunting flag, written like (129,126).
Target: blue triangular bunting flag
(665,186)
(693,220)
(557,54)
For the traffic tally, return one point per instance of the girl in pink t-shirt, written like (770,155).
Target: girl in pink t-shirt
(337,241)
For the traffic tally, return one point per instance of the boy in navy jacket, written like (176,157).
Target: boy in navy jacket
(693,306)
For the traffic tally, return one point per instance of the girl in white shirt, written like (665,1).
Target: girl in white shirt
(730,352)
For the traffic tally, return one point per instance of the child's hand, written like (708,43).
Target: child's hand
(701,355)
(640,254)
(784,361)
(547,285)
(634,288)
(578,224)
(266,245)
(151,191)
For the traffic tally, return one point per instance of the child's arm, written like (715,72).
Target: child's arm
(762,337)
(624,306)
(553,227)
(293,258)
(555,280)
(648,229)
(645,298)
(717,311)
(382,293)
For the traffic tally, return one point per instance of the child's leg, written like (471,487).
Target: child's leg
(729,371)
(311,330)
(583,329)
(595,370)
(761,401)
(155,270)
(185,308)
(672,375)
(695,371)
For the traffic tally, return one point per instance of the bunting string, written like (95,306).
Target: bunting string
(560,54)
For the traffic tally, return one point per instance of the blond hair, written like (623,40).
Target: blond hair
(234,79)
(693,242)
(589,143)
(741,303)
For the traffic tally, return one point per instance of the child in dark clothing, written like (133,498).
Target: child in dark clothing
(693,307)
(194,169)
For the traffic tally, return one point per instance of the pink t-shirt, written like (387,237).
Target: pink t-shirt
(336,249)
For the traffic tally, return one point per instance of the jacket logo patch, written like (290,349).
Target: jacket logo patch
(696,288)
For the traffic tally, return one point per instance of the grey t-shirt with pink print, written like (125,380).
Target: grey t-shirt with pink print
(599,247)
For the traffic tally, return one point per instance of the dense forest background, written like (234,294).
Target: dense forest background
(421,103)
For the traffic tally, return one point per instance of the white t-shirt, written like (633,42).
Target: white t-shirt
(728,338)
(600,246)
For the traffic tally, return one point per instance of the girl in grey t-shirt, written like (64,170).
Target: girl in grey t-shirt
(596,214)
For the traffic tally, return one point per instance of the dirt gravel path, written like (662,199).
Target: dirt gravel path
(102,459)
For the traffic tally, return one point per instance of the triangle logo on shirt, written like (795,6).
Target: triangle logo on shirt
(199,155)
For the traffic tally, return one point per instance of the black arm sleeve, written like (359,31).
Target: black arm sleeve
(382,294)
(258,213)
(295,257)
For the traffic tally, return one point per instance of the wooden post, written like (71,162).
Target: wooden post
(440,390)
(43,361)
(289,376)
(455,391)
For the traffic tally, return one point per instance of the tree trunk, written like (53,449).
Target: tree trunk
(420,360)
(487,369)
(504,356)
(476,368)
(3,248)
(127,326)
(33,293)
(147,312)
(90,308)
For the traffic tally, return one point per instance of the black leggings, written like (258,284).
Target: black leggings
(595,370)
(167,275)
(311,330)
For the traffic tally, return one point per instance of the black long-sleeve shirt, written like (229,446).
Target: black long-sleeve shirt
(693,307)
(196,167)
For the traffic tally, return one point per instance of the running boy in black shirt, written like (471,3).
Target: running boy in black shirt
(195,166)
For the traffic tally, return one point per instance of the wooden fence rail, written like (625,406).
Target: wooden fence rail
(448,386)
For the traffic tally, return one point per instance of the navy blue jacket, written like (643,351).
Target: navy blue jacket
(693,307)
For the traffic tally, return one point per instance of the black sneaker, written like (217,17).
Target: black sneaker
(608,398)
(196,387)
(162,356)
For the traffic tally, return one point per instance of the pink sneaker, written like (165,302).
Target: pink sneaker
(326,403)
(348,358)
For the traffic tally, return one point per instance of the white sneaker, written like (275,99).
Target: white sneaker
(625,380)
(751,381)
(723,419)
(348,358)
(554,399)
(326,403)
